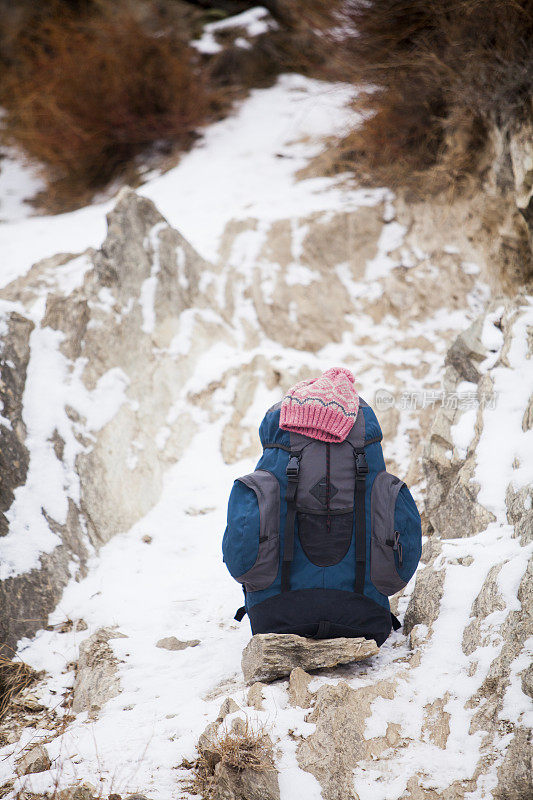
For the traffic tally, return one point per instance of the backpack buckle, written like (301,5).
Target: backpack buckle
(293,467)
(361,466)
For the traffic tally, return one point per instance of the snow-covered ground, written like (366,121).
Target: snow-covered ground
(175,584)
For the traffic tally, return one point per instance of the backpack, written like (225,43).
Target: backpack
(320,535)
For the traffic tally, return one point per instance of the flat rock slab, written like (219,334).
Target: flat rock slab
(171,643)
(268,656)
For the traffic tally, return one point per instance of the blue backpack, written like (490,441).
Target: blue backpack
(320,535)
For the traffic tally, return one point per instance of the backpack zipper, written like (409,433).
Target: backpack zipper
(396,545)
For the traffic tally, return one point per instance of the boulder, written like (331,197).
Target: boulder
(34,760)
(96,676)
(268,656)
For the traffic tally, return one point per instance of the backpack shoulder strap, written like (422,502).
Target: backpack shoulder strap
(356,437)
(293,473)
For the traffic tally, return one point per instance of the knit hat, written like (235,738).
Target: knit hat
(323,408)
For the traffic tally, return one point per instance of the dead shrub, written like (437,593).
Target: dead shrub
(443,73)
(14,677)
(238,749)
(85,94)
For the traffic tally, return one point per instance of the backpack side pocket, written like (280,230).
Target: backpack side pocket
(251,541)
(396,542)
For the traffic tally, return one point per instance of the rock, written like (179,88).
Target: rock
(81,791)
(299,694)
(246,784)
(514,773)
(338,744)
(519,504)
(255,696)
(26,598)
(424,603)
(208,745)
(28,701)
(14,357)
(171,643)
(417,636)
(34,760)
(323,241)
(119,308)
(239,727)
(136,796)
(96,679)
(527,681)
(467,352)
(229,706)
(521,150)
(268,656)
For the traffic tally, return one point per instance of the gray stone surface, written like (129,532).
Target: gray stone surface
(246,784)
(96,675)
(333,751)
(268,656)
(171,643)
(34,760)
(299,694)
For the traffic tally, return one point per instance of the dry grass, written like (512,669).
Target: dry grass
(14,677)
(444,72)
(84,94)
(238,749)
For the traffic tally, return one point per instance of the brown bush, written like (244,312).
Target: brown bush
(443,73)
(14,677)
(84,94)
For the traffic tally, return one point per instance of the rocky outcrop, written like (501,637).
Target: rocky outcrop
(15,333)
(451,505)
(268,656)
(107,333)
(339,744)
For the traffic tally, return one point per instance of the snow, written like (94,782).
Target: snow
(18,184)
(149,286)
(502,437)
(255,22)
(244,169)
(390,239)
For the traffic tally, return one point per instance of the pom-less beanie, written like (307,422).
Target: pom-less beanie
(323,408)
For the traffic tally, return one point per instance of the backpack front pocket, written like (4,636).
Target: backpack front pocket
(251,541)
(396,542)
(325,536)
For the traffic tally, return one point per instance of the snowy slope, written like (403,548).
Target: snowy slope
(176,584)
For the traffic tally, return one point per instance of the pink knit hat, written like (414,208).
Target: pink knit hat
(323,408)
